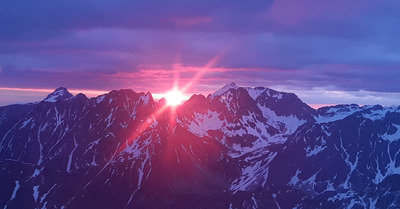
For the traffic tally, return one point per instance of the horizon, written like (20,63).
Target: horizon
(41,94)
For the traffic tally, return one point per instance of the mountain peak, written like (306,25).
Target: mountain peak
(59,94)
(224,89)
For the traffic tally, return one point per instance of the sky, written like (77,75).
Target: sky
(327,52)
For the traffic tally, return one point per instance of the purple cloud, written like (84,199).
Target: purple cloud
(347,45)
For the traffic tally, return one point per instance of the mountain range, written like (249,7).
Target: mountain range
(239,147)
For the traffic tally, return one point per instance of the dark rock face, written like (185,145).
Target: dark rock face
(237,148)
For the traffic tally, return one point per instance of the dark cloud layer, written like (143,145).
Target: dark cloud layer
(347,45)
(23,18)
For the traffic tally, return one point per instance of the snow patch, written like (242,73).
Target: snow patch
(25,123)
(254,173)
(35,192)
(336,113)
(315,150)
(35,173)
(145,98)
(203,123)
(110,120)
(291,123)
(45,195)
(278,96)
(392,137)
(255,93)
(224,90)
(71,155)
(16,188)
(51,99)
(342,196)
(255,205)
(99,99)
(376,114)
(58,93)
(124,125)
(295,179)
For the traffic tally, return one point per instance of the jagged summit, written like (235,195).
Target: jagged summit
(224,89)
(60,93)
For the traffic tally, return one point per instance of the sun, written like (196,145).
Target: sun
(174,98)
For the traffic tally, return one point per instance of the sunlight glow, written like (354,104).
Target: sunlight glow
(174,98)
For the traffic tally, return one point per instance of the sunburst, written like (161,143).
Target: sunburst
(174,98)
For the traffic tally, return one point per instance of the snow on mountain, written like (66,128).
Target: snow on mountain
(237,148)
(392,136)
(224,89)
(378,112)
(59,94)
(203,123)
(334,113)
(339,112)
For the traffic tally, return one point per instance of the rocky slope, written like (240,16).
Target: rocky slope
(236,148)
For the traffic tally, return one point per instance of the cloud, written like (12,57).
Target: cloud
(24,19)
(351,45)
(325,96)
(294,60)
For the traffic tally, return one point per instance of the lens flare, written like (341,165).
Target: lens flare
(174,98)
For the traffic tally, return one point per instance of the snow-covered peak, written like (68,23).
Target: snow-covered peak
(224,89)
(146,98)
(377,112)
(60,93)
(339,112)
(341,109)
(256,92)
(334,113)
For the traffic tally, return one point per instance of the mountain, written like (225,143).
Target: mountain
(236,148)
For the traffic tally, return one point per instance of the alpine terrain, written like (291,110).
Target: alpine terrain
(236,148)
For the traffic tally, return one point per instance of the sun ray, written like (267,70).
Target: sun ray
(203,70)
(174,97)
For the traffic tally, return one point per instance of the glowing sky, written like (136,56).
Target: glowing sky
(327,52)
